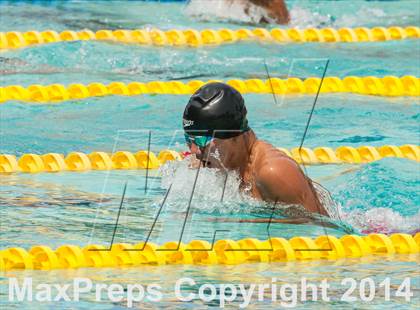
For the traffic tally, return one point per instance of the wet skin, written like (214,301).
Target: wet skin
(269,174)
(276,9)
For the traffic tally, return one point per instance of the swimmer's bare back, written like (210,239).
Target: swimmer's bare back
(276,9)
(275,177)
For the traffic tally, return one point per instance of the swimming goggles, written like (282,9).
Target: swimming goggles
(200,141)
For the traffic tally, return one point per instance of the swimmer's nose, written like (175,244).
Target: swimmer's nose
(195,149)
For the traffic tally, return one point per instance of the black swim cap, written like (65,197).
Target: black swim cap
(216,109)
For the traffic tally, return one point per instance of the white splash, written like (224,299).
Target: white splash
(333,209)
(212,184)
(361,17)
(382,220)
(226,10)
(235,11)
(209,189)
(304,18)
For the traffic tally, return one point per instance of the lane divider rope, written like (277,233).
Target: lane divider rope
(199,252)
(370,85)
(78,161)
(197,38)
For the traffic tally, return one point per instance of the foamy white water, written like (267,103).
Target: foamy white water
(226,10)
(210,187)
(235,11)
(382,220)
(208,191)
(212,184)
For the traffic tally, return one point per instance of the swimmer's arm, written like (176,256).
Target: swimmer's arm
(283,181)
(277,8)
(278,181)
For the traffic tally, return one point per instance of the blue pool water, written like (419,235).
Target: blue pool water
(81,208)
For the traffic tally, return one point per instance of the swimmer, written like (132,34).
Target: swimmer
(11,66)
(217,133)
(254,11)
(276,10)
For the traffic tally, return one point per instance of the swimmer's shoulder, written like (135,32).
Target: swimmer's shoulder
(269,152)
(272,161)
(277,176)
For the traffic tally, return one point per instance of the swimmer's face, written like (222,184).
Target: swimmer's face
(215,154)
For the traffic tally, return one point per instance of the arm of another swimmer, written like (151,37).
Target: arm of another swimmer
(282,180)
(277,8)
